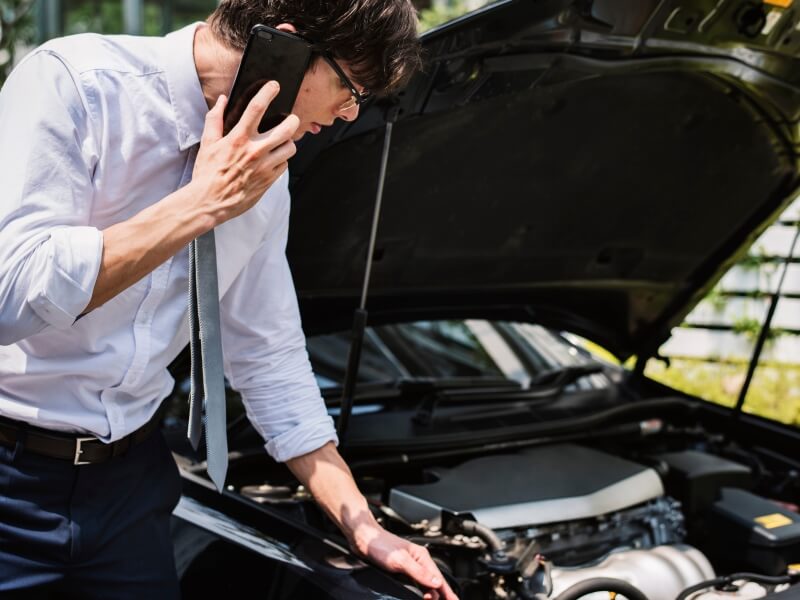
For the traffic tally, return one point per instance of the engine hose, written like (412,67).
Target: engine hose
(766,579)
(495,544)
(602,584)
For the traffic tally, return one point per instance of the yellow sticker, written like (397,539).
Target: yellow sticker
(773,521)
(781,3)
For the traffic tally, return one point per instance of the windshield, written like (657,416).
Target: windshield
(450,349)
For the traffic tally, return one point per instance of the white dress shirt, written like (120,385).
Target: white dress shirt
(93,129)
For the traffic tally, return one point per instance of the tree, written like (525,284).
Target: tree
(16,27)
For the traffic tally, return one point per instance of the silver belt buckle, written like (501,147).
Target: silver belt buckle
(79,450)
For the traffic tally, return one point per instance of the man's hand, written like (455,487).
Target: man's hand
(231,173)
(327,477)
(395,554)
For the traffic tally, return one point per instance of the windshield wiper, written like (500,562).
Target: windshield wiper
(433,392)
(563,376)
(547,384)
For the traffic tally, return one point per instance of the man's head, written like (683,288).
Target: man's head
(373,42)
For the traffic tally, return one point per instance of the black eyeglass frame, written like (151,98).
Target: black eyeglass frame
(359,97)
(325,54)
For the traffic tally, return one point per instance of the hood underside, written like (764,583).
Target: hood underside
(591,166)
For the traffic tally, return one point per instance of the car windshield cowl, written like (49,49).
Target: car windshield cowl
(417,387)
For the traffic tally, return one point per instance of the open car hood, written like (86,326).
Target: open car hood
(591,166)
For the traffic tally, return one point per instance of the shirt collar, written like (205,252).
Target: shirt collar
(186,95)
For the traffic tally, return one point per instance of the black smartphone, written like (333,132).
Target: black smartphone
(270,55)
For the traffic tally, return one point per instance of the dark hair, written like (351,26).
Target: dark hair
(376,38)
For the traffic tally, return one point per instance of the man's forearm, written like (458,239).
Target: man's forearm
(328,478)
(230,175)
(133,248)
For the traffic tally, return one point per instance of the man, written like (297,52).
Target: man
(104,188)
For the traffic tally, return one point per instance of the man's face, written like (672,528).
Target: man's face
(321,96)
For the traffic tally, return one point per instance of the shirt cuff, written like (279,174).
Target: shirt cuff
(71,265)
(302,439)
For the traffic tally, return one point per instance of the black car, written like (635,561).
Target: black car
(561,168)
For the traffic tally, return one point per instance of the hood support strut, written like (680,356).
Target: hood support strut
(765,328)
(360,314)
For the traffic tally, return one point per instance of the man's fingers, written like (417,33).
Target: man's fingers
(212,130)
(282,131)
(447,592)
(251,118)
(283,152)
(432,577)
(418,573)
(423,570)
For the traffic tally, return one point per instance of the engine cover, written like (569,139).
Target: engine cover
(543,485)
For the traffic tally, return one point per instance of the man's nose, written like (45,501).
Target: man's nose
(348,114)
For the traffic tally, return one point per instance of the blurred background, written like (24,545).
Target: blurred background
(708,355)
(27,23)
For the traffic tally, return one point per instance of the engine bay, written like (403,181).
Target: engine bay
(571,519)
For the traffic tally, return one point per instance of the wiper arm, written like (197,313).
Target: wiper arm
(548,384)
(563,376)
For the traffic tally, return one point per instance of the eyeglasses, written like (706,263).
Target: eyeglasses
(356,98)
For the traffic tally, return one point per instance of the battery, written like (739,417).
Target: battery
(758,534)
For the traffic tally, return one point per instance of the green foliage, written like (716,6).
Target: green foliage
(104,16)
(774,392)
(748,326)
(16,28)
(717,299)
(753,259)
(751,328)
(438,14)
(444,11)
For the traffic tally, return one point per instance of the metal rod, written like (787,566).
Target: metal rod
(762,335)
(376,214)
(360,314)
(133,16)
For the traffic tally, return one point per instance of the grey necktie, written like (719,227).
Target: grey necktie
(208,387)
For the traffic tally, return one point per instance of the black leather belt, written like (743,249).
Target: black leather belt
(80,450)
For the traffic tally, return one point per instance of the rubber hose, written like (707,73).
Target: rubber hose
(485,533)
(730,579)
(602,584)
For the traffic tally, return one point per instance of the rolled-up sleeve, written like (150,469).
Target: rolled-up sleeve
(49,253)
(265,351)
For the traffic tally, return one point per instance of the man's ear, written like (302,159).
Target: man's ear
(287,27)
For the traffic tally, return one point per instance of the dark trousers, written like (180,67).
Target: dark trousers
(88,531)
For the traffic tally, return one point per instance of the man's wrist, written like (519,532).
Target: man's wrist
(194,211)
(360,528)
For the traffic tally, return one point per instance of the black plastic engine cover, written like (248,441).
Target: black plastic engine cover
(696,478)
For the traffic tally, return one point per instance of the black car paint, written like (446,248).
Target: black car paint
(291,561)
(626,278)
(592,178)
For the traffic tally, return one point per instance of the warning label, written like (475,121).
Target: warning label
(773,521)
